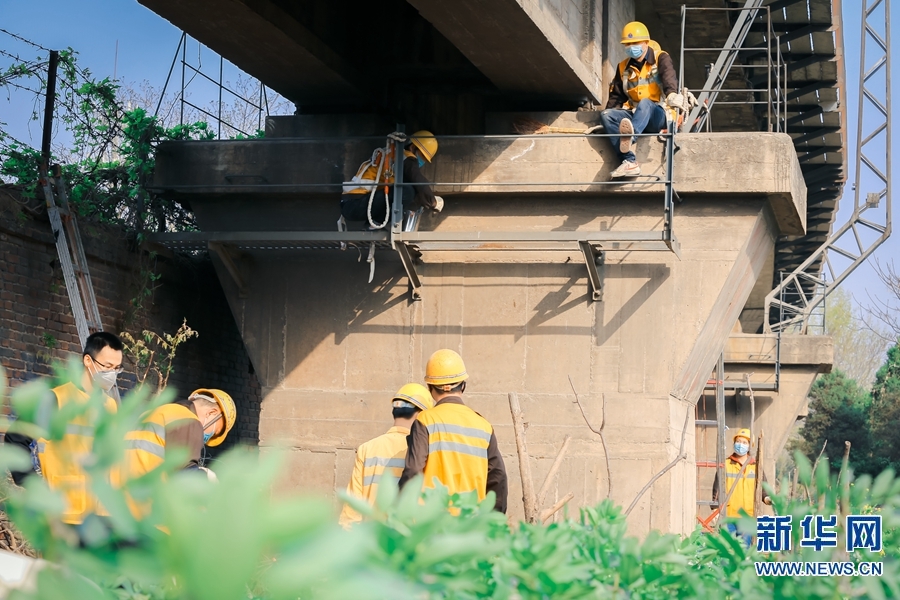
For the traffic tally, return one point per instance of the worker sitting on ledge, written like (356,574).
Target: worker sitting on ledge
(366,197)
(636,95)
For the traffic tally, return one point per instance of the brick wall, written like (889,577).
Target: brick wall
(36,324)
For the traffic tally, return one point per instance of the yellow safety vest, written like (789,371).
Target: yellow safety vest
(366,175)
(643,83)
(380,460)
(458,440)
(145,447)
(745,492)
(61,461)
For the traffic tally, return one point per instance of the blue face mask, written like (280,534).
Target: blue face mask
(635,51)
(421,161)
(206,437)
(741,448)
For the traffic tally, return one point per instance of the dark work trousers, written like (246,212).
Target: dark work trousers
(354,206)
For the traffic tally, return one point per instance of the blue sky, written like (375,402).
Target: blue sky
(147,43)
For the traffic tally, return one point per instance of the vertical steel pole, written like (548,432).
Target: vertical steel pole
(769,66)
(887,133)
(397,207)
(720,429)
(183,63)
(221,65)
(681,58)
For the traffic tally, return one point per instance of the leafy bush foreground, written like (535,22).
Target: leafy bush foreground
(235,539)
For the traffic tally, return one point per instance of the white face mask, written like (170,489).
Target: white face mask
(105,380)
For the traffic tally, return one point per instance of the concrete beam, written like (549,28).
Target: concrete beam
(285,55)
(709,163)
(527,46)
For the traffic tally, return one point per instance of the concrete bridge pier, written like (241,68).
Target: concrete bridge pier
(330,349)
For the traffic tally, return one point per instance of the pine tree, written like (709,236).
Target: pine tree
(885,413)
(838,412)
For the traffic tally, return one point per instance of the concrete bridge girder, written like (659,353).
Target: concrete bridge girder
(330,350)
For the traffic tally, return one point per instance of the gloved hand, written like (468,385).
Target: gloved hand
(210,475)
(439,204)
(675,100)
(398,136)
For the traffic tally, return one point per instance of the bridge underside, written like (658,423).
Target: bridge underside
(637,318)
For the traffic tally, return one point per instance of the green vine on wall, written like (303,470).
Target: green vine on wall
(110,164)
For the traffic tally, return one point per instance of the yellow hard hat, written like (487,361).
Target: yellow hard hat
(229,413)
(413,395)
(445,369)
(744,433)
(426,143)
(635,32)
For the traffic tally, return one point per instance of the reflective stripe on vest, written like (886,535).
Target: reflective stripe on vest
(458,440)
(61,461)
(145,447)
(377,467)
(642,84)
(744,493)
(380,460)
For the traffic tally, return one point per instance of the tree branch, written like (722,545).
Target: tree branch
(528,497)
(549,512)
(542,495)
(681,456)
(598,432)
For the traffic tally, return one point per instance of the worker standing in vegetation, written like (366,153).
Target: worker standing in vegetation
(451,442)
(204,418)
(743,484)
(58,460)
(381,460)
(366,197)
(644,84)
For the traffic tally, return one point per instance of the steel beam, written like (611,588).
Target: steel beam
(593,259)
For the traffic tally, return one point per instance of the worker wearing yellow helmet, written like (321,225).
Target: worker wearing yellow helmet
(203,418)
(380,460)
(744,485)
(644,84)
(451,444)
(367,195)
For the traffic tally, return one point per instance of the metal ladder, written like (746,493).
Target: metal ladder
(72,259)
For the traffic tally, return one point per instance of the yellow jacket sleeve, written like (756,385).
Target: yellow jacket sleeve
(354,488)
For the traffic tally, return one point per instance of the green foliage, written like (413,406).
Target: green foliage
(234,539)
(110,164)
(886,411)
(839,412)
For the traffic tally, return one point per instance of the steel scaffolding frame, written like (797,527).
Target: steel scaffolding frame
(803,290)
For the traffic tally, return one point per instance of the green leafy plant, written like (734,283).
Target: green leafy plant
(235,539)
(155,353)
(110,164)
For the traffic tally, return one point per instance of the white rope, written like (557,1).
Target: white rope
(387,205)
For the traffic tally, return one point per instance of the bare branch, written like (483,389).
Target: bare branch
(681,456)
(528,497)
(542,495)
(549,512)
(598,432)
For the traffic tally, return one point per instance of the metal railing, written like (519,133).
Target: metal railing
(408,244)
(775,91)
(260,105)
